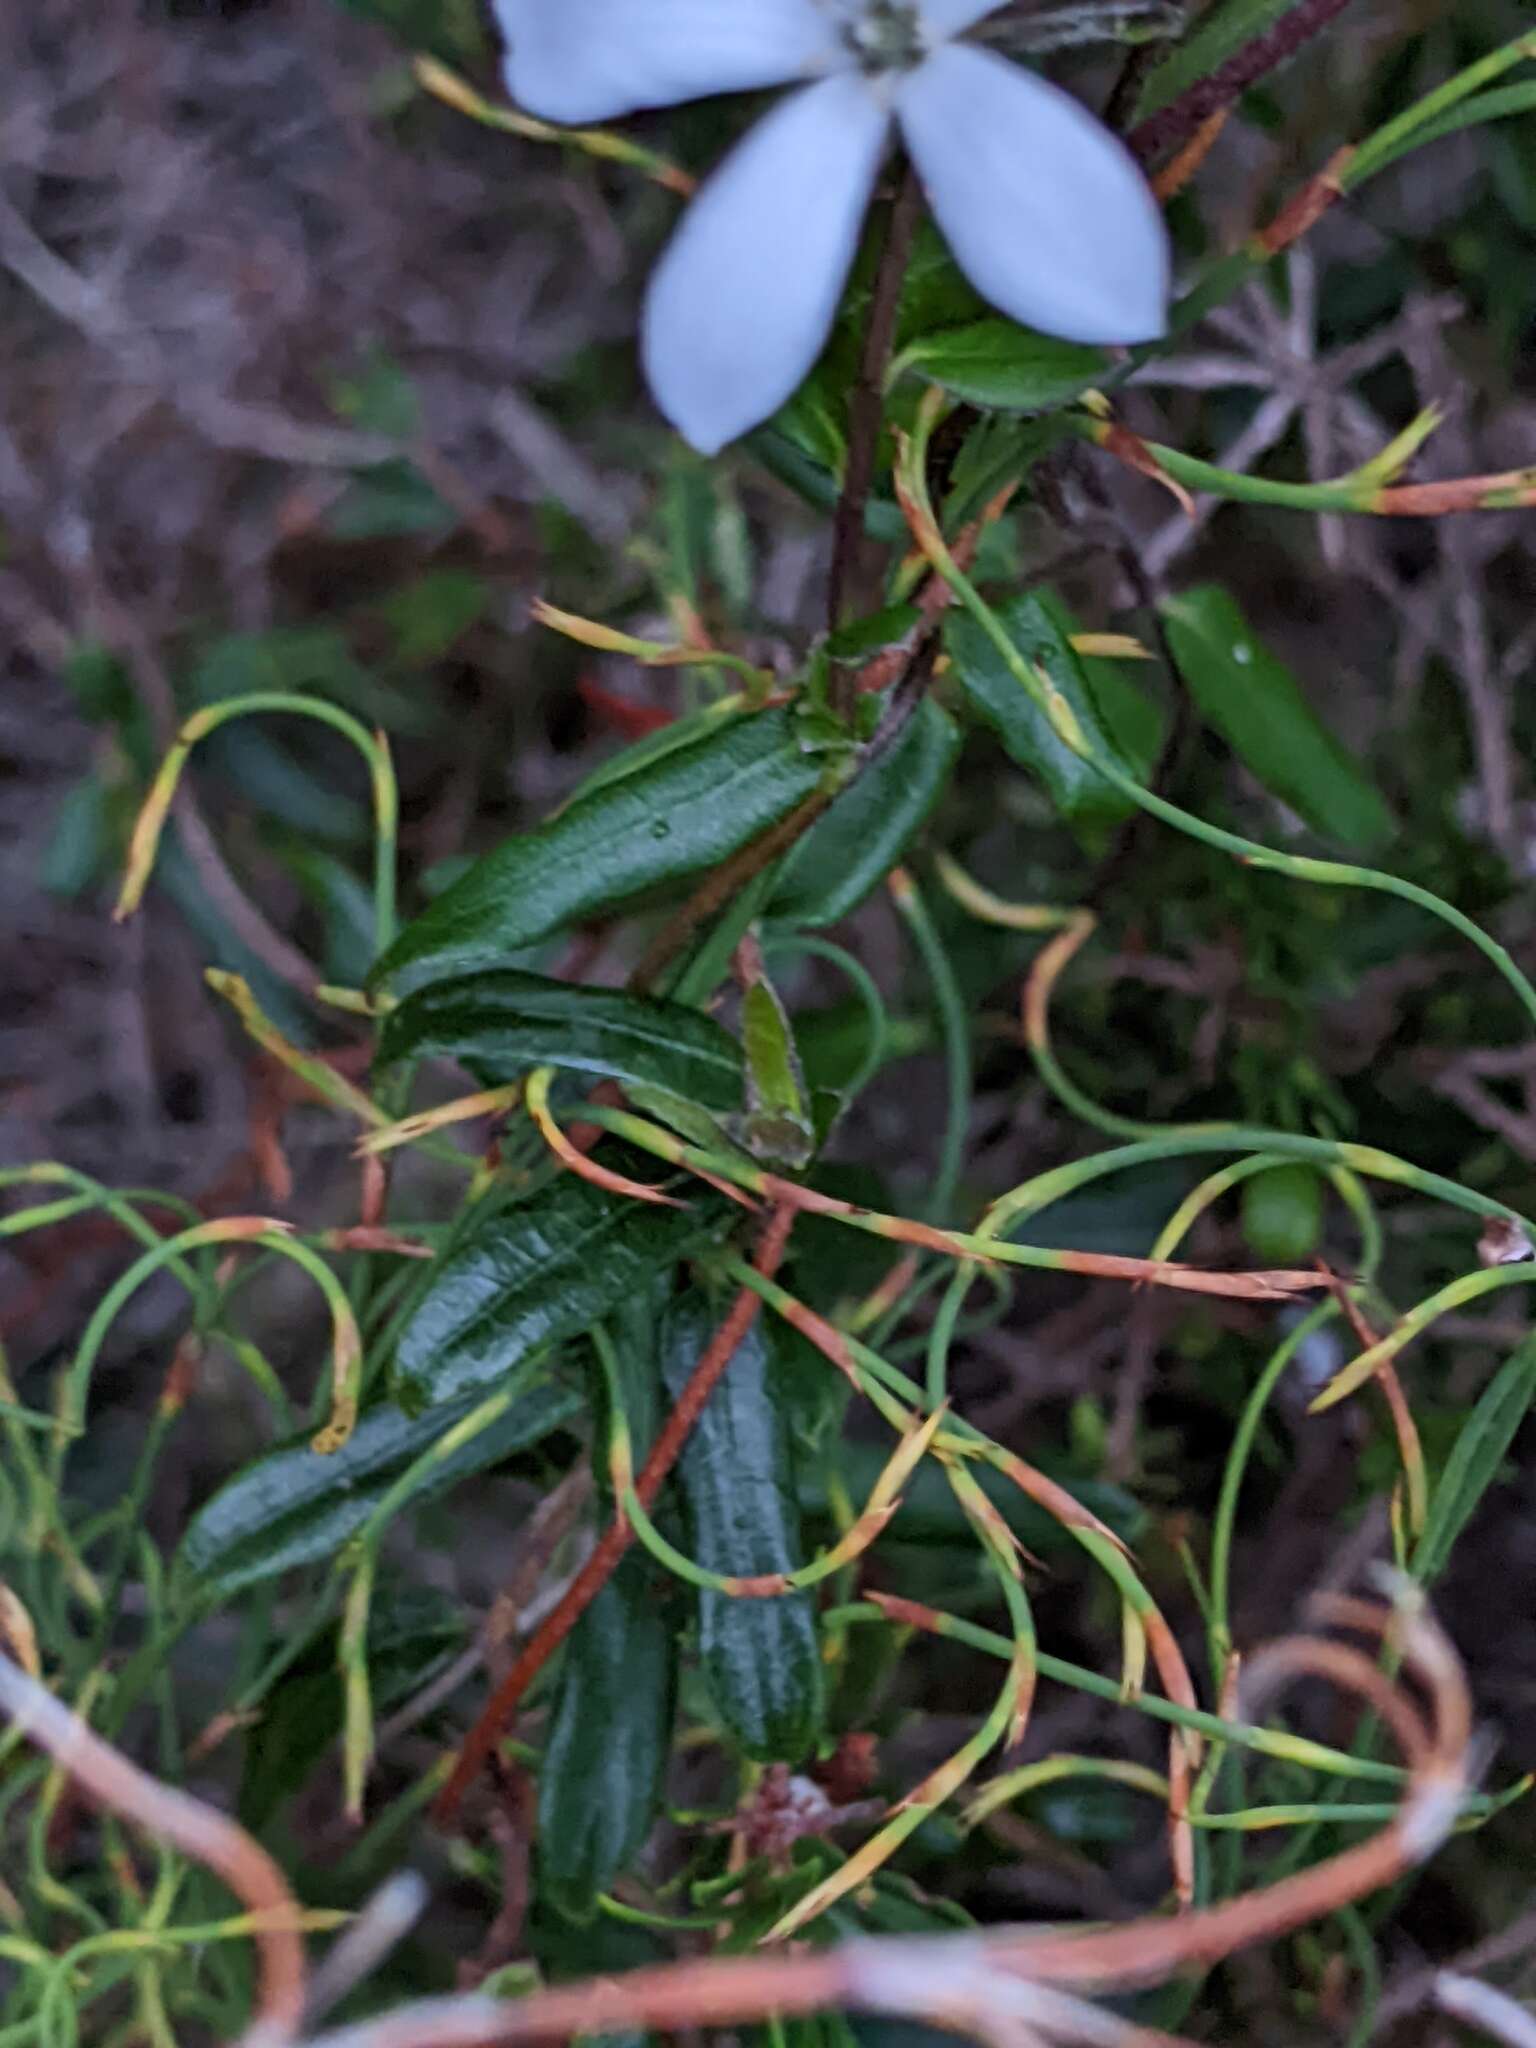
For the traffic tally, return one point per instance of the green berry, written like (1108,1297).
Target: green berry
(1283,1214)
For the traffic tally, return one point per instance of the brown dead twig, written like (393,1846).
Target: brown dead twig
(1003,1985)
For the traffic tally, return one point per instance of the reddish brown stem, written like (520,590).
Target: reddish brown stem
(866,404)
(1176,122)
(619,1535)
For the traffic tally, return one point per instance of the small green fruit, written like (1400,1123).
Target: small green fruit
(1283,1214)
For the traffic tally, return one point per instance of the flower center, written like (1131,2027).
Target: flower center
(886,35)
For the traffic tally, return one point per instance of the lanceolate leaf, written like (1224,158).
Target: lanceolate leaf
(761,1658)
(1475,1458)
(846,853)
(1254,703)
(685,811)
(530,1275)
(996,364)
(600,1779)
(503,1022)
(296,1505)
(1039,629)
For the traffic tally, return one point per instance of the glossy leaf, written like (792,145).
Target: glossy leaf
(1254,702)
(295,1505)
(847,852)
(503,1022)
(1040,630)
(531,1275)
(689,809)
(760,1658)
(686,730)
(600,1779)
(1005,367)
(1475,1458)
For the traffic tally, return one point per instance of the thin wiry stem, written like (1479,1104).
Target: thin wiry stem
(106,1776)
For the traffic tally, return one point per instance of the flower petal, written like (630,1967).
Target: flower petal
(951,17)
(593,60)
(743,298)
(1047,213)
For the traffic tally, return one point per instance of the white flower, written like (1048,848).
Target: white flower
(1046,212)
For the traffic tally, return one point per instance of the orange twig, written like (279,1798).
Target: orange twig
(1183,1750)
(1178,170)
(1410,1450)
(1505,490)
(1010,1982)
(1307,207)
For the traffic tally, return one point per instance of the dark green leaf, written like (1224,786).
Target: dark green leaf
(1007,368)
(681,732)
(600,1781)
(1254,703)
(1476,1457)
(760,1657)
(1040,630)
(295,1505)
(503,1022)
(529,1276)
(1121,1214)
(870,826)
(689,810)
